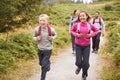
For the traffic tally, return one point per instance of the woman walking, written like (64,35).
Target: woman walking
(72,20)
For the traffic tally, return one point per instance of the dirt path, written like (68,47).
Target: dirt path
(64,67)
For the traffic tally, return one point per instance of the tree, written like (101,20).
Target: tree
(15,12)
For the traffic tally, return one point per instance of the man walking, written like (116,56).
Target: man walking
(99,23)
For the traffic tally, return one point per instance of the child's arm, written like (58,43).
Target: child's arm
(73,30)
(103,26)
(54,34)
(35,37)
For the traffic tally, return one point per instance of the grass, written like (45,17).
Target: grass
(22,71)
(110,51)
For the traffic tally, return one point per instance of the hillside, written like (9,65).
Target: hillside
(17,45)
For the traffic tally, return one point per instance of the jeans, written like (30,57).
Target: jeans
(82,58)
(96,41)
(73,42)
(44,61)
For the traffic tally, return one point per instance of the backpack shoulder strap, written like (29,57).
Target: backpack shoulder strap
(39,31)
(78,27)
(100,21)
(93,20)
(49,30)
(89,28)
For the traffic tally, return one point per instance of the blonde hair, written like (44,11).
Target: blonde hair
(45,16)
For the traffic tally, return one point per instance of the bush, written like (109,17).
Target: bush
(19,46)
(108,7)
(113,48)
(17,12)
(111,25)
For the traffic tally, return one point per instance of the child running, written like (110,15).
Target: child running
(82,32)
(44,34)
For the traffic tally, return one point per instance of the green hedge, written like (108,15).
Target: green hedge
(114,43)
(17,47)
(112,48)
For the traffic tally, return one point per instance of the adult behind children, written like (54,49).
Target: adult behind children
(99,23)
(72,21)
(82,32)
(44,34)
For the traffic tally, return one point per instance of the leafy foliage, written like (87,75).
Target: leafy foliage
(112,48)
(16,12)
(108,7)
(114,39)
(18,47)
